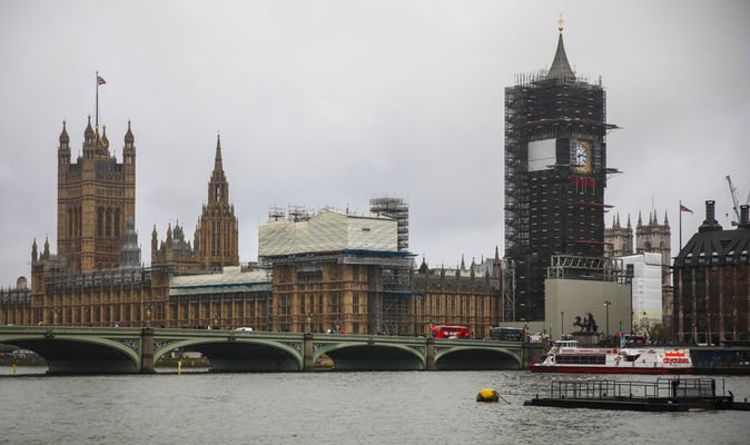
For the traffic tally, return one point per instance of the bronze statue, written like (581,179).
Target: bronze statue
(587,324)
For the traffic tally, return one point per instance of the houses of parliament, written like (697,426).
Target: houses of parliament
(97,277)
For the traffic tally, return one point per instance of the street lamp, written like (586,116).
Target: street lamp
(216,320)
(562,323)
(606,305)
(55,314)
(309,320)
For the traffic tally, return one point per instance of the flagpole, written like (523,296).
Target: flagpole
(680,226)
(96,80)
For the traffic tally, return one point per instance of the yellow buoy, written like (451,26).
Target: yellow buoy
(488,395)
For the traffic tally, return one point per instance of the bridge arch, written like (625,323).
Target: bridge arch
(372,357)
(235,354)
(70,354)
(477,357)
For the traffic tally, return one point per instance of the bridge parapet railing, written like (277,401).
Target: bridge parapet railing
(71,330)
(163,332)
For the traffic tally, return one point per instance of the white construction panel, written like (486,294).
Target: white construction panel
(542,154)
(327,232)
(647,287)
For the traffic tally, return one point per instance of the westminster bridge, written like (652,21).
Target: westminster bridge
(87,350)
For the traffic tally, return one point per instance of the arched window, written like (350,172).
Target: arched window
(108,231)
(117,222)
(100,221)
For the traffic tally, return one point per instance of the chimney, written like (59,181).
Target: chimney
(710,224)
(710,210)
(745,216)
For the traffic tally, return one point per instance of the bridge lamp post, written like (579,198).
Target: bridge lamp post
(216,320)
(309,321)
(562,323)
(148,311)
(606,305)
(55,314)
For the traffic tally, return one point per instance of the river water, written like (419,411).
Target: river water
(332,408)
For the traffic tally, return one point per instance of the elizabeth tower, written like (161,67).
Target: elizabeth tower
(555,175)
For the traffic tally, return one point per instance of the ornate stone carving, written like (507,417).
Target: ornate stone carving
(132,343)
(297,346)
(419,349)
(160,343)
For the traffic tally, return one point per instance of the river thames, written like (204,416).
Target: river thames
(333,408)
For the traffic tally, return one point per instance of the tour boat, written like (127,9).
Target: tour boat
(569,358)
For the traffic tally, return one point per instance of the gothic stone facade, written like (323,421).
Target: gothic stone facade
(216,238)
(375,294)
(95,196)
(651,237)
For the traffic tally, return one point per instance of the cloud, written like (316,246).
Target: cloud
(335,102)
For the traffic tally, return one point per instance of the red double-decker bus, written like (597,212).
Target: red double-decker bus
(451,332)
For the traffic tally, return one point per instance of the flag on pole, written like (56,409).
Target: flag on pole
(685,209)
(100,80)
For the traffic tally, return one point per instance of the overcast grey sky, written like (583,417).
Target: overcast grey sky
(333,102)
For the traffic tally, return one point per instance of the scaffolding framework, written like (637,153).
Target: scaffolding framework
(586,268)
(557,209)
(397,209)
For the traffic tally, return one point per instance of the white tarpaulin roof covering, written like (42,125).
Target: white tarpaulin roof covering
(327,232)
(232,279)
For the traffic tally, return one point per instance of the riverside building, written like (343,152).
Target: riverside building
(712,283)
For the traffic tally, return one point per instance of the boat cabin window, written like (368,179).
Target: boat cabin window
(581,359)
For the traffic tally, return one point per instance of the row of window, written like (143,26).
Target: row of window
(581,359)
(108,222)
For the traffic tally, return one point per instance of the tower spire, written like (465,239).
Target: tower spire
(218,165)
(89,134)
(104,139)
(560,68)
(64,138)
(129,138)
(45,254)
(216,236)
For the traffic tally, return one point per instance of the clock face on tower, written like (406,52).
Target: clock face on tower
(582,156)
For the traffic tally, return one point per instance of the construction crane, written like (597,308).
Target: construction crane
(735,201)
